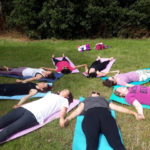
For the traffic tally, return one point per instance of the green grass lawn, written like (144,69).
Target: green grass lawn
(130,55)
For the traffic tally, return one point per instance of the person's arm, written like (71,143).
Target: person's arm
(48,69)
(86,68)
(63,113)
(123,110)
(139,108)
(25,98)
(129,85)
(115,71)
(37,77)
(74,114)
(79,66)
(101,74)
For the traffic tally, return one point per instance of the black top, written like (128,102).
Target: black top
(16,89)
(92,102)
(98,65)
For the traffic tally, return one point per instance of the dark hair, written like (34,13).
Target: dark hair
(47,89)
(118,93)
(66,71)
(51,76)
(70,97)
(92,75)
(96,93)
(108,83)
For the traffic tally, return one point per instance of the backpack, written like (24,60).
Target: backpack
(85,47)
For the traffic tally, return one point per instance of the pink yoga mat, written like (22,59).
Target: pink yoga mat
(107,69)
(49,119)
(71,63)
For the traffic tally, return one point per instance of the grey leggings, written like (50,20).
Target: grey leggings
(13,71)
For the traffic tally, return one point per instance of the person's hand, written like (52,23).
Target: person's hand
(62,123)
(20,81)
(139,116)
(16,106)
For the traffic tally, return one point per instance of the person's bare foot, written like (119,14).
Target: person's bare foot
(6,68)
(111,58)
(63,55)
(53,56)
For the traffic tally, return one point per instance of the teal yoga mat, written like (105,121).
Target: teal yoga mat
(79,142)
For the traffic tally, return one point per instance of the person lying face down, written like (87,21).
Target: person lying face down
(135,96)
(98,119)
(31,73)
(34,113)
(96,68)
(63,65)
(125,78)
(28,89)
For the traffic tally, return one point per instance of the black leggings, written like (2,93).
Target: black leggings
(99,120)
(15,121)
(56,60)
(99,66)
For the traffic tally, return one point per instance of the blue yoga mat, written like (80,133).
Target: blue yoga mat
(57,76)
(79,141)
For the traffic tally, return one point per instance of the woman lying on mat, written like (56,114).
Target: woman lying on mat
(96,68)
(28,89)
(31,73)
(125,78)
(63,65)
(34,113)
(135,96)
(98,119)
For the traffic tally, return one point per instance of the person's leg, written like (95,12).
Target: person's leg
(110,130)
(11,117)
(91,129)
(26,120)
(103,65)
(55,60)
(13,71)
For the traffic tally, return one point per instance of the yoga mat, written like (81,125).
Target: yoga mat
(48,120)
(57,76)
(79,141)
(108,67)
(71,63)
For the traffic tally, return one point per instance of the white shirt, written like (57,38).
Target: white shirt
(31,72)
(46,106)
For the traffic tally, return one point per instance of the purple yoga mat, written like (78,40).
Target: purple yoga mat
(71,63)
(107,69)
(49,119)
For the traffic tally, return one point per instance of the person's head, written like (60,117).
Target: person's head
(66,71)
(95,94)
(109,82)
(49,74)
(66,94)
(121,91)
(92,75)
(43,87)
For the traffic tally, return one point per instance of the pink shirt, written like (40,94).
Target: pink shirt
(60,65)
(140,93)
(124,78)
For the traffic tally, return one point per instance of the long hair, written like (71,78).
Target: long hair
(66,71)
(92,75)
(51,76)
(118,93)
(70,97)
(108,83)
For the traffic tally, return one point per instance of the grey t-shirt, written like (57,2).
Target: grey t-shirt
(92,102)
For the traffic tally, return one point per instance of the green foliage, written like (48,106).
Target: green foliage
(70,19)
